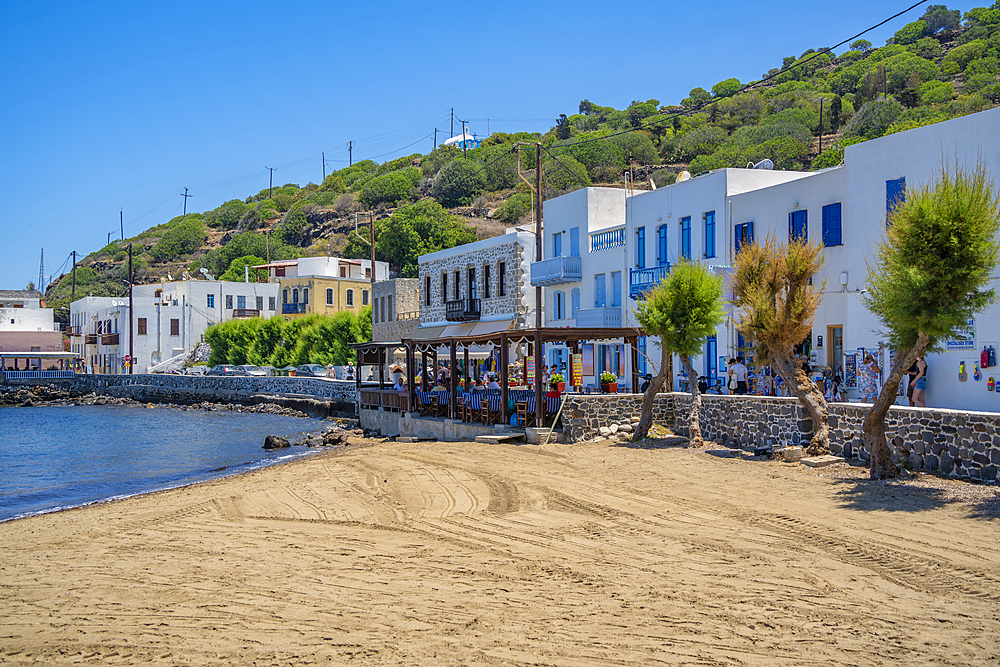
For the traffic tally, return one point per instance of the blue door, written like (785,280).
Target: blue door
(574,242)
(686,238)
(661,246)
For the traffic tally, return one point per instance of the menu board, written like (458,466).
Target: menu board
(850,370)
(576,369)
(529,376)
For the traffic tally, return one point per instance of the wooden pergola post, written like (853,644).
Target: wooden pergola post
(380,355)
(411,378)
(633,346)
(539,360)
(504,379)
(453,375)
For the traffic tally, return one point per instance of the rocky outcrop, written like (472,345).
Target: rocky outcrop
(276,442)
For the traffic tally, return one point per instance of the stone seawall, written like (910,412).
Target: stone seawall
(314,396)
(953,442)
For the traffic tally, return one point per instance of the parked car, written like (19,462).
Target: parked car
(226,369)
(310,371)
(250,369)
(196,370)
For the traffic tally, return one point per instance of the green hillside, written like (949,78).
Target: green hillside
(941,66)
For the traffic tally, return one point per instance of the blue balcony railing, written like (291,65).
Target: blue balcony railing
(556,271)
(609,238)
(293,308)
(599,318)
(641,281)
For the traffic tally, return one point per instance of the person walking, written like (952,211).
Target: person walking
(919,383)
(868,379)
(738,372)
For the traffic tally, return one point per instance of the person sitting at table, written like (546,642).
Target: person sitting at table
(553,391)
(493,382)
(439,386)
(479,386)
(400,385)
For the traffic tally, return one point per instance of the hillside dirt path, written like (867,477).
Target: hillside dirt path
(470,554)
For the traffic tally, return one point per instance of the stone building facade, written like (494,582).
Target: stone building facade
(495,271)
(395,309)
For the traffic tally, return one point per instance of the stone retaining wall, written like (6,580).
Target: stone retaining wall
(954,442)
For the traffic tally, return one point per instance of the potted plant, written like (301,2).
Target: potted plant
(609,382)
(559,380)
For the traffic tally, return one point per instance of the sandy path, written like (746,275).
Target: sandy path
(466,554)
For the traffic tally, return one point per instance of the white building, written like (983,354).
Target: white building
(170,318)
(27,326)
(707,218)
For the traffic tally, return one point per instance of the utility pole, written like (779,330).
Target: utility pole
(538,240)
(121,220)
(109,239)
(131,353)
(324,166)
(435,139)
(350,153)
(371,242)
(72,296)
(464,143)
(452,122)
(41,273)
(185,195)
(270,181)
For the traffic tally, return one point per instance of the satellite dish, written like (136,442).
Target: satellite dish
(683,176)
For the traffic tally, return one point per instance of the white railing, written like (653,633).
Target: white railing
(32,375)
(599,318)
(556,271)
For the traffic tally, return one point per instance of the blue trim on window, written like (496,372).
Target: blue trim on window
(640,248)
(798,225)
(686,238)
(710,234)
(744,234)
(832,227)
(895,194)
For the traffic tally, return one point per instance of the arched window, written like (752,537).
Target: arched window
(284,296)
(329,296)
(305,295)
(295,295)
(350,297)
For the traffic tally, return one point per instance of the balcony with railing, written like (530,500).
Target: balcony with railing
(607,239)
(556,271)
(641,281)
(90,339)
(244,313)
(293,308)
(73,330)
(462,310)
(599,318)
(109,339)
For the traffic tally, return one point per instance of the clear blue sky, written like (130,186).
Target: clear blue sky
(110,106)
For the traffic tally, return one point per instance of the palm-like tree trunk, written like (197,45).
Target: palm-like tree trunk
(812,400)
(646,420)
(880,456)
(694,426)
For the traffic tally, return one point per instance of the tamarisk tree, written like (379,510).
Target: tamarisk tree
(930,275)
(772,287)
(685,308)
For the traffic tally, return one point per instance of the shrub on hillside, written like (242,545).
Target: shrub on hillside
(515,206)
(390,188)
(874,118)
(936,92)
(180,240)
(228,215)
(458,183)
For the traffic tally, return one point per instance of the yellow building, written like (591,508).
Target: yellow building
(324,285)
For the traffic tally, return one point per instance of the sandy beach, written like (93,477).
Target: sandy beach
(471,554)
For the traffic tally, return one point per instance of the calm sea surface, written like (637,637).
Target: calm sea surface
(57,457)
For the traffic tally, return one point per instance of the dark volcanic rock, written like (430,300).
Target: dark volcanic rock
(275,442)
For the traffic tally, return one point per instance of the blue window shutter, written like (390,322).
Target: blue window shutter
(750,232)
(686,237)
(616,289)
(791,226)
(599,291)
(832,230)
(640,248)
(574,242)
(661,243)
(895,194)
(710,234)
(557,245)
(575,298)
(798,225)
(711,354)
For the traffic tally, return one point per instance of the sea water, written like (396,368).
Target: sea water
(64,456)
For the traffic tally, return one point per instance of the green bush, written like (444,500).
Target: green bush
(726,88)
(706,163)
(663,177)
(949,68)
(700,141)
(697,97)
(235,272)
(638,147)
(228,215)
(391,187)
(874,118)
(936,92)
(564,173)
(180,240)
(928,48)
(910,33)
(966,53)
(517,205)
(458,183)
